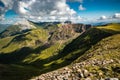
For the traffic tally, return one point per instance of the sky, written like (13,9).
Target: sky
(78,11)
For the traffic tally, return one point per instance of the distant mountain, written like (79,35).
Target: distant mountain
(45,24)
(99,24)
(3,27)
(17,28)
(24,25)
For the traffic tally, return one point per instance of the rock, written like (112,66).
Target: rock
(86,73)
(100,73)
(81,75)
(88,78)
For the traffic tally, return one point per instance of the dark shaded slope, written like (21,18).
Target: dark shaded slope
(87,39)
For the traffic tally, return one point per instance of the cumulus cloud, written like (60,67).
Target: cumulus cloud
(1,17)
(5,5)
(44,9)
(112,17)
(81,7)
(116,16)
(41,10)
(103,17)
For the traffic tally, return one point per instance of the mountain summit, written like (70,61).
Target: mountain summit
(24,25)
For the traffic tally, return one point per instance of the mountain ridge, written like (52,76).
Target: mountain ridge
(47,56)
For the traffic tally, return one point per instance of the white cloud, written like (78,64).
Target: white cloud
(81,7)
(116,15)
(45,9)
(42,10)
(7,4)
(1,17)
(112,17)
(103,17)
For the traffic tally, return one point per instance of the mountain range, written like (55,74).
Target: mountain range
(73,51)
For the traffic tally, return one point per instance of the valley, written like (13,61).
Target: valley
(78,49)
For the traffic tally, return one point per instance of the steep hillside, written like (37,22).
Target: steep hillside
(82,43)
(78,48)
(31,38)
(101,61)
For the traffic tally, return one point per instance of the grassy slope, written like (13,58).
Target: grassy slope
(112,26)
(12,30)
(5,41)
(107,50)
(101,61)
(79,45)
(35,55)
(76,48)
(27,39)
(48,59)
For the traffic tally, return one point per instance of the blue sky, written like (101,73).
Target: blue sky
(89,10)
(97,8)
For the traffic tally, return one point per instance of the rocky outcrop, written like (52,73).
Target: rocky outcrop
(67,31)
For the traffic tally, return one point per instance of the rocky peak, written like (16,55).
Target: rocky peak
(66,31)
(24,25)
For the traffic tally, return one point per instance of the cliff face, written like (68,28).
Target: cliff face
(80,27)
(67,31)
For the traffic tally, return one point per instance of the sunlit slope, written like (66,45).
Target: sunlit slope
(31,38)
(17,28)
(105,56)
(112,26)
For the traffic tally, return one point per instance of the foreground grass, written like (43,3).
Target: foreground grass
(104,51)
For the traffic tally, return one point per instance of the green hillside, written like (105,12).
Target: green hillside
(105,57)
(28,39)
(101,61)
(82,43)
(12,30)
(33,49)
(112,26)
